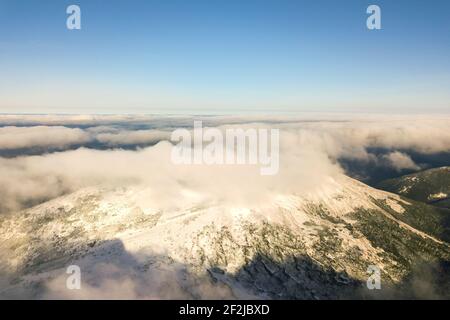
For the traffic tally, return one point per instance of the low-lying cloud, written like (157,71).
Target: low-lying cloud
(41,136)
(400,161)
(128,137)
(310,152)
(32,179)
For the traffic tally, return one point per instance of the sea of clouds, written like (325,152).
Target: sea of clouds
(45,156)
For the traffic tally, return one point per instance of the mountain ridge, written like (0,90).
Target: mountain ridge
(308,246)
(430,186)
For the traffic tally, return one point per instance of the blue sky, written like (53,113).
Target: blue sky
(227,56)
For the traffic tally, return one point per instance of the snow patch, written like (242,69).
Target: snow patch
(437,196)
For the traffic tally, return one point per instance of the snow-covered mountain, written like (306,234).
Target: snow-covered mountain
(298,246)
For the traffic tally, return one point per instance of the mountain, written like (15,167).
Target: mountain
(429,186)
(317,245)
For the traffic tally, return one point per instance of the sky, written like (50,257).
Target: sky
(221,57)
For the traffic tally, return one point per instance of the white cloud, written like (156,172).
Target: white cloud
(309,151)
(132,137)
(400,161)
(41,136)
(33,178)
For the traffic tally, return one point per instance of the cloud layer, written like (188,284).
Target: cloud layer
(310,152)
(41,136)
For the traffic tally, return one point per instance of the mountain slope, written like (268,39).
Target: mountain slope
(429,186)
(309,246)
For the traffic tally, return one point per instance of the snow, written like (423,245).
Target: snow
(395,205)
(405,189)
(437,196)
(187,235)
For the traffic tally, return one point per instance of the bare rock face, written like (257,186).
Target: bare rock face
(309,246)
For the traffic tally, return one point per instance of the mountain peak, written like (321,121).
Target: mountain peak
(331,230)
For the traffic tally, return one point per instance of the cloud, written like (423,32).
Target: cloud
(64,120)
(31,179)
(340,135)
(41,136)
(310,152)
(127,137)
(400,161)
(353,138)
